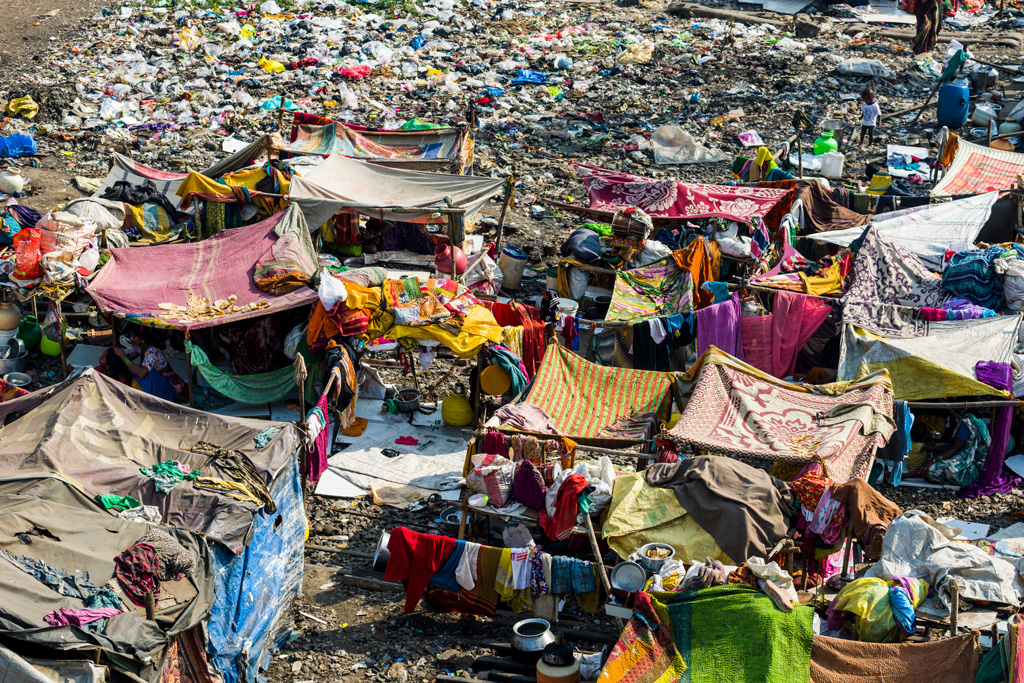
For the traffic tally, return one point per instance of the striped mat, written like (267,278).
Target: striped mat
(584,399)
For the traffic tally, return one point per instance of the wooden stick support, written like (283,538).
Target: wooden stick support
(190,371)
(150,601)
(600,563)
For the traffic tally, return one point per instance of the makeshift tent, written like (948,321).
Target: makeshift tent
(735,409)
(125,168)
(141,283)
(611,190)
(937,364)
(73,534)
(394,194)
(595,404)
(927,231)
(254,389)
(448,150)
(95,434)
(975,168)
(836,660)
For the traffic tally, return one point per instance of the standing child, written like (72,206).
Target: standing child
(871,113)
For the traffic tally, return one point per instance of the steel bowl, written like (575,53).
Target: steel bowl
(654,564)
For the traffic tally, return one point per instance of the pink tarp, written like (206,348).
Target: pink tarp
(137,280)
(610,190)
(772,342)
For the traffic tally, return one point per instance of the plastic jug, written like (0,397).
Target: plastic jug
(983,114)
(832,164)
(953,104)
(826,143)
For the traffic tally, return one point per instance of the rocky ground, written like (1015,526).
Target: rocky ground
(71,56)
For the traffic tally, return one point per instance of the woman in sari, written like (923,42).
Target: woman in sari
(147,362)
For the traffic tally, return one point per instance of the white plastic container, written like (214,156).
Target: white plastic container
(567,306)
(832,164)
(983,113)
(512,263)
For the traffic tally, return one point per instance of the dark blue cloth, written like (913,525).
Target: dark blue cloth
(570,576)
(445,576)
(157,385)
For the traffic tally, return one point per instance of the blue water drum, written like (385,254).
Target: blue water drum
(954,101)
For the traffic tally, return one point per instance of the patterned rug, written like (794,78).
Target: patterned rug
(976,169)
(651,291)
(732,412)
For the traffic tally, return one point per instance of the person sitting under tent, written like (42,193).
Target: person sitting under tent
(960,463)
(149,365)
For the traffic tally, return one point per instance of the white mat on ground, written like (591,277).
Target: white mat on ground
(434,465)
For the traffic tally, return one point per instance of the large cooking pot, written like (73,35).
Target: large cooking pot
(531,636)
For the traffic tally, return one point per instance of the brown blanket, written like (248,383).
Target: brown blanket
(870,513)
(952,660)
(746,510)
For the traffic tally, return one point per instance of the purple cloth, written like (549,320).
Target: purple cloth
(959,308)
(719,325)
(79,617)
(26,217)
(528,486)
(992,479)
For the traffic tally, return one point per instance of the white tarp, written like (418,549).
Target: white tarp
(433,465)
(918,546)
(927,366)
(926,231)
(342,183)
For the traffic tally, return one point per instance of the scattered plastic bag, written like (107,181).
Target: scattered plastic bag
(271,66)
(23,106)
(331,290)
(1012,270)
(636,53)
(861,66)
(17,145)
(27,255)
(526,77)
(673,145)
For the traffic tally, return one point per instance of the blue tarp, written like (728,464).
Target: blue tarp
(524,76)
(255,588)
(17,145)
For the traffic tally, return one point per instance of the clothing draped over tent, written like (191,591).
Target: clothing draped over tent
(651,291)
(254,389)
(736,634)
(819,211)
(587,402)
(745,509)
(138,282)
(771,342)
(948,660)
(889,286)
(611,190)
(926,231)
(426,150)
(738,410)
(975,169)
(992,479)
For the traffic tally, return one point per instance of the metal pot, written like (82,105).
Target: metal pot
(531,636)
(450,519)
(654,564)
(408,400)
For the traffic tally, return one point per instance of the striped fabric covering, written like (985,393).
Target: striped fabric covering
(651,291)
(976,169)
(584,399)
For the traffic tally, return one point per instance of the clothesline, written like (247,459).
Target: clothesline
(581,447)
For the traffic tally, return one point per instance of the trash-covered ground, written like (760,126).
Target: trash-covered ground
(175,85)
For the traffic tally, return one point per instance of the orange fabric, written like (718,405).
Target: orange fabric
(949,151)
(696,258)
(319,324)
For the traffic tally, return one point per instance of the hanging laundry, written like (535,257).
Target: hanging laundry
(415,557)
(136,571)
(168,474)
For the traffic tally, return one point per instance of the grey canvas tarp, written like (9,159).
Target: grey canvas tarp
(124,168)
(48,520)
(96,433)
(341,183)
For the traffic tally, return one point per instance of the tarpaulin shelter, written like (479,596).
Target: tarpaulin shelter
(340,183)
(735,409)
(140,283)
(937,364)
(611,190)
(95,434)
(927,231)
(594,404)
(70,532)
(124,168)
(975,168)
(448,150)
